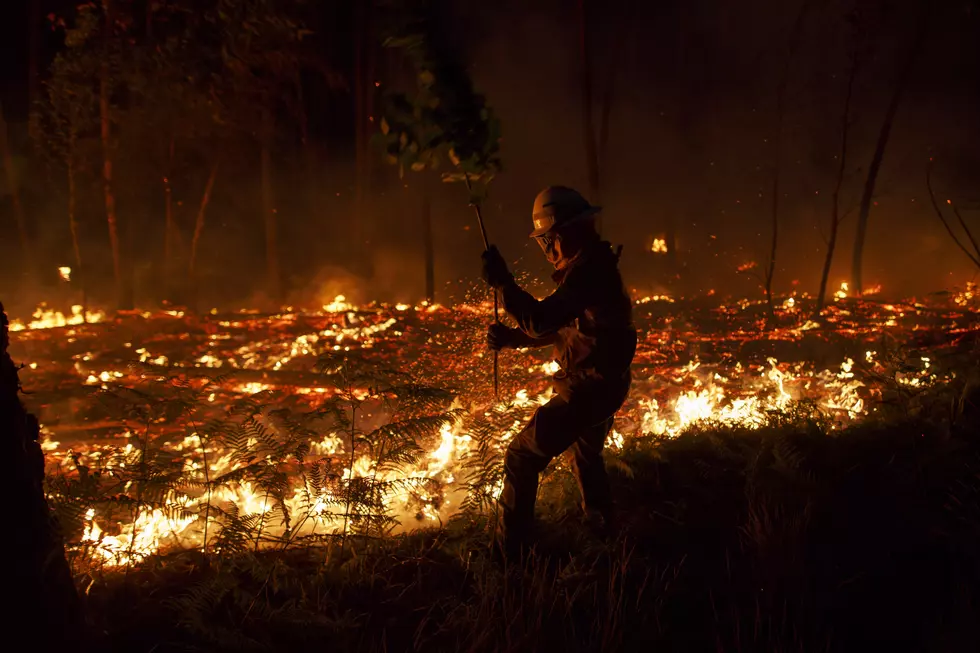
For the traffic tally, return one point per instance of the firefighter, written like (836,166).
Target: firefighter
(588,320)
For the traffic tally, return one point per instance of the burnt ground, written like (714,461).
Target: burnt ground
(779,539)
(797,536)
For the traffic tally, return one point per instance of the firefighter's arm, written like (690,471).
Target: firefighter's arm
(520,340)
(500,337)
(543,318)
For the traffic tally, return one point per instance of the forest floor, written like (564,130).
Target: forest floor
(782,538)
(805,488)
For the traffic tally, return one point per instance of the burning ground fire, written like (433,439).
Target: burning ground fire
(696,362)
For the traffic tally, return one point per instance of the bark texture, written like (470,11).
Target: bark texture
(45,595)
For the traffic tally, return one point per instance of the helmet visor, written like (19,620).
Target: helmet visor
(547,244)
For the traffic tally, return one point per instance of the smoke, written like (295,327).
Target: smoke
(689,148)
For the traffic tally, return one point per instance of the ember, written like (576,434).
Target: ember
(717,367)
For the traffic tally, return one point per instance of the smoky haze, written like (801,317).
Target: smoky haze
(692,127)
(692,123)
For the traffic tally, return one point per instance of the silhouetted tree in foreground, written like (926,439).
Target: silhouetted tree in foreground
(42,593)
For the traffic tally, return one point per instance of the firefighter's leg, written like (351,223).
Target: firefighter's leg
(545,436)
(590,471)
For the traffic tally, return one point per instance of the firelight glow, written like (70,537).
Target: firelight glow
(269,358)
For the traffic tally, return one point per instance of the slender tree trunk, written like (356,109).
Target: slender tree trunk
(310,164)
(974,256)
(770,272)
(168,227)
(33,57)
(774,243)
(430,265)
(360,129)
(271,227)
(10,170)
(201,212)
(104,120)
(609,91)
(841,170)
(588,123)
(370,92)
(672,254)
(73,223)
(864,212)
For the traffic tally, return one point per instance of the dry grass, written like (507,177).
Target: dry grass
(781,539)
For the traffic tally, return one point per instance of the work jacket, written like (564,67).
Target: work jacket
(589,318)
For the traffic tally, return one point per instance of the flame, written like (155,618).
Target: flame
(551,368)
(674,389)
(45,318)
(338,305)
(967,296)
(65,273)
(659,246)
(655,298)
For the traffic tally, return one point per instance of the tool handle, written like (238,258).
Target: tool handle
(496,303)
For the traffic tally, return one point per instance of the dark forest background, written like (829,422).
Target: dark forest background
(262,112)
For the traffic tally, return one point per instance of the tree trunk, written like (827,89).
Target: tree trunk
(271,227)
(841,170)
(974,256)
(73,224)
(879,154)
(46,595)
(673,259)
(370,92)
(202,210)
(168,227)
(310,163)
(33,57)
(359,230)
(588,124)
(770,272)
(430,264)
(774,244)
(110,198)
(26,250)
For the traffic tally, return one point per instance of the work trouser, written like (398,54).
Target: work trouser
(579,424)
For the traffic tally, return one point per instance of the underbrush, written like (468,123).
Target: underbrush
(796,535)
(783,538)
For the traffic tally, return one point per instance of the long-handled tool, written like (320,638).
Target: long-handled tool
(496,310)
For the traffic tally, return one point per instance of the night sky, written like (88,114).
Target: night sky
(692,123)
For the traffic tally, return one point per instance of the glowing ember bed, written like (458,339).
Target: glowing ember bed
(149,390)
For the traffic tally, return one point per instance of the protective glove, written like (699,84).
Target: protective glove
(499,336)
(495,271)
